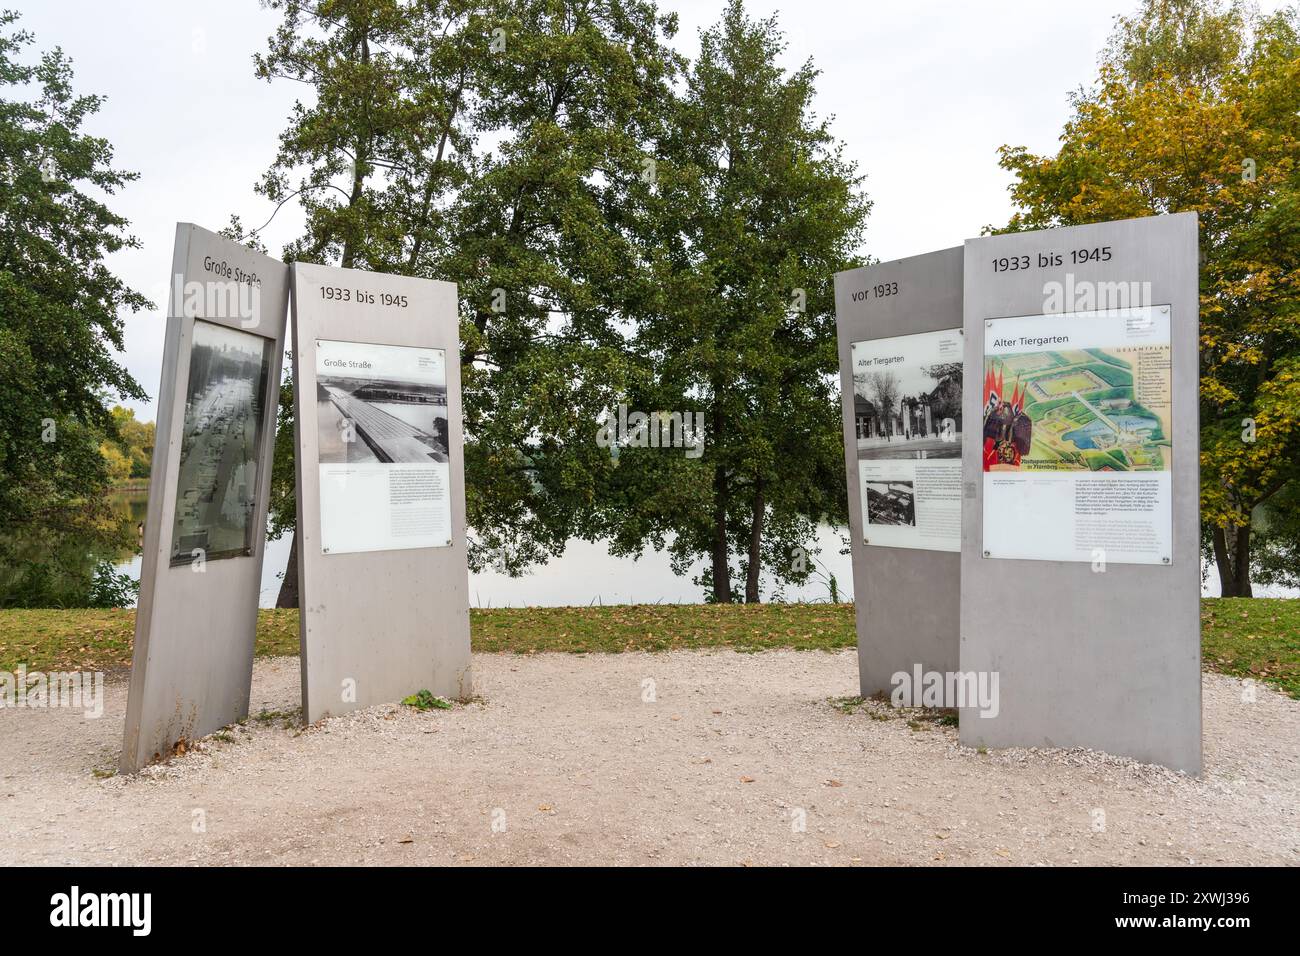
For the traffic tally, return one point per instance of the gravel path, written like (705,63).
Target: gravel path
(562,761)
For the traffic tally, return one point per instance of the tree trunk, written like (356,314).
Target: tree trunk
(1242,562)
(721,567)
(1227,583)
(755,544)
(288,596)
(1232,557)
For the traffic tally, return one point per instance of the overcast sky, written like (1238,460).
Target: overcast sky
(923,94)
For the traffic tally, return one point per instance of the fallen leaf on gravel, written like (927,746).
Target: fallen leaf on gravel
(407,840)
(833,783)
(746,779)
(545,808)
(832,845)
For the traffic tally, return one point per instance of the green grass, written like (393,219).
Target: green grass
(1253,637)
(1257,638)
(663,627)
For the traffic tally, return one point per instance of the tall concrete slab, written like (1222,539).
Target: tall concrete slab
(196,620)
(383,569)
(906,587)
(1081,566)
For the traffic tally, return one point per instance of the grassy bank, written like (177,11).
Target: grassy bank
(1257,638)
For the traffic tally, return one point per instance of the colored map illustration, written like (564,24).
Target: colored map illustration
(1093,409)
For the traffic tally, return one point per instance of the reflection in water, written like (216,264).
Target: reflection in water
(63,573)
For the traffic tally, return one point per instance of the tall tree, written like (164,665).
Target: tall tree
(60,306)
(543,248)
(1197,107)
(368,157)
(536,230)
(755,209)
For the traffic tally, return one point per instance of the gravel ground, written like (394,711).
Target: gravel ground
(561,761)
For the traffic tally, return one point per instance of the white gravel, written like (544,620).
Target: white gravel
(562,761)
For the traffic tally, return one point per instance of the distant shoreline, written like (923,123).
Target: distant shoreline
(131,486)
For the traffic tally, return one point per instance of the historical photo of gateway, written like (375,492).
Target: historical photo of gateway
(382,440)
(216,487)
(907,396)
(907,425)
(1076,441)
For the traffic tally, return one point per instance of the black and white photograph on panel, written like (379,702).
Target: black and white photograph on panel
(381,426)
(216,485)
(907,422)
(891,503)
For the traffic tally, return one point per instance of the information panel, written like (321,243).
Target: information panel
(221,443)
(900,336)
(907,429)
(381,424)
(1078,438)
(209,484)
(383,569)
(1081,571)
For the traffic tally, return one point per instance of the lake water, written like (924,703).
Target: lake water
(587,574)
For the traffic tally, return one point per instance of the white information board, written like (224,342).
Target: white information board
(1077,437)
(907,394)
(381,424)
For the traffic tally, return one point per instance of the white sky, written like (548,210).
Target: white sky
(923,93)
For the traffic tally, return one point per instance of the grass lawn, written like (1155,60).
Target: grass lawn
(1257,638)
(1253,637)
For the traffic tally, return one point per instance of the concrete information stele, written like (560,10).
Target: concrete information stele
(383,571)
(201,571)
(1081,575)
(901,358)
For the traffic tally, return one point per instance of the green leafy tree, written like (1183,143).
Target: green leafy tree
(134,442)
(536,231)
(60,311)
(754,211)
(543,247)
(1197,107)
(367,158)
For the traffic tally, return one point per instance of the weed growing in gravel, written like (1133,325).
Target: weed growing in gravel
(425,700)
(879,707)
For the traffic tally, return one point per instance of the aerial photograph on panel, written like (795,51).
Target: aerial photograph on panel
(217,482)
